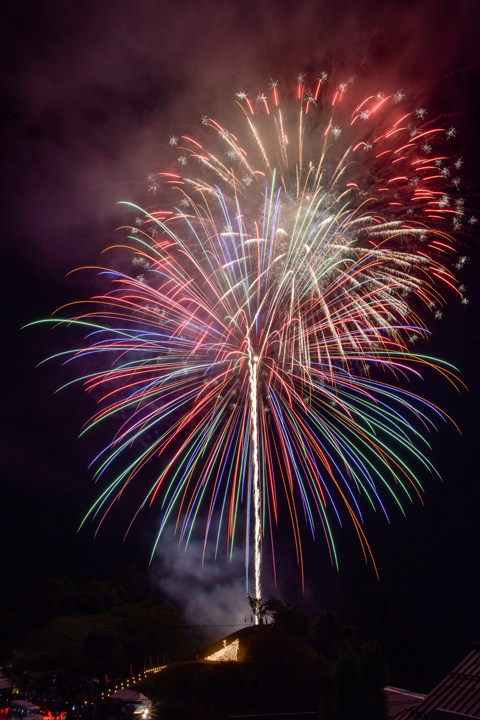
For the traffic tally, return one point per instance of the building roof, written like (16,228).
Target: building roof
(399,700)
(130,696)
(456,697)
(5,683)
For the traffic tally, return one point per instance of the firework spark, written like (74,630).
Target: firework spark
(264,344)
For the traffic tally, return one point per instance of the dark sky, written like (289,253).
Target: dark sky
(91,91)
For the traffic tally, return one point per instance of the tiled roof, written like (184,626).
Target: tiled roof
(458,693)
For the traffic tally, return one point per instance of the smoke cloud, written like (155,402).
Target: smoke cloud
(212,593)
(92,94)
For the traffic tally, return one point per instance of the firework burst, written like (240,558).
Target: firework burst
(262,341)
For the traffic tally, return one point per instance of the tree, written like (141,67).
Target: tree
(257,607)
(288,617)
(358,686)
(373,675)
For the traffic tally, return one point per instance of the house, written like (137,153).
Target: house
(457,697)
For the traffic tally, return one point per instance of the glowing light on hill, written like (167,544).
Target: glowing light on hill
(227,654)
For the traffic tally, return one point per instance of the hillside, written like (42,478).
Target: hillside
(273,671)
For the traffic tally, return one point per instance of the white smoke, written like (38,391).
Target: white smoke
(211,592)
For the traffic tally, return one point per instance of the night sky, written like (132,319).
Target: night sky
(91,91)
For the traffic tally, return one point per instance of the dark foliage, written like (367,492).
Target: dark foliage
(358,681)
(289,617)
(72,634)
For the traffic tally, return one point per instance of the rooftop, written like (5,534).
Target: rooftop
(456,697)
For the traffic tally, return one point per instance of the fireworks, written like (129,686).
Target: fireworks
(262,343)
